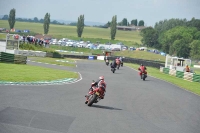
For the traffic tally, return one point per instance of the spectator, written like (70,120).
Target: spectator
(187,69)
(24,38)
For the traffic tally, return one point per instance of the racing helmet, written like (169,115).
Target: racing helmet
(101,77)
(141,65)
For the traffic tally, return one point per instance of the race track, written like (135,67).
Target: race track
(130,105)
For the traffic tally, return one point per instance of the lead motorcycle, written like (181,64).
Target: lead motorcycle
(144,76)
(95,94)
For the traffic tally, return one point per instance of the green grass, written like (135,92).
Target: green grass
(2,36)
(57,61)
(196,70)
(89,33)
(27,73)
(140,55)
(190,86)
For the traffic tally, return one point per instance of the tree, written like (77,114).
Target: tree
(150,37)
(11,19)
(194,23)
(113,27)
(124,22)
(165,25)
(176,41)
(80,25)
(108,24)
(197,35)
(119,23)
(46,23)
(195,49)
(141,23)
(134,22)
(35,19)
(41,21)
(5,17)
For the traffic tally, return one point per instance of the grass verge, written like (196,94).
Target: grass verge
(57,61)
(27,73)
(190,86)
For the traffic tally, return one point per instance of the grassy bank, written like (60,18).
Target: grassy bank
(27,73)
(89,33)
(190,86)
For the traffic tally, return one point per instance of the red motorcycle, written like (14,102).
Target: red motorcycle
(95,95)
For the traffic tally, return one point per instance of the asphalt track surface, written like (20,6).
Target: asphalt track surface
(130,105)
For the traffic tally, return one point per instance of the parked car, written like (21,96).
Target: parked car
(115,49)
(132,48)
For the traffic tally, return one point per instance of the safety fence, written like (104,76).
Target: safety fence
(12,58)
(184,75)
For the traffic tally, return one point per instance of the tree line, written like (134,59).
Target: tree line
(35,20)
(46,23)
(178,37)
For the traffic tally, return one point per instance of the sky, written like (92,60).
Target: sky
(150,11)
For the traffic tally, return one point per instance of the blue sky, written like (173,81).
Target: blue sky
(151,11)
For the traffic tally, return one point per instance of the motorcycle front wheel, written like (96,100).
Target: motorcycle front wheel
(143,77)
(92,100)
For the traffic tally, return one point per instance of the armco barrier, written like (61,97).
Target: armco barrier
(150,63)
(79,56)
(90,57)
(184,75)
(32,53)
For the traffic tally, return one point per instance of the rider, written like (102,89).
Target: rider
(142,69)
(113,64)
(98,84)
(106,58)
(118,61)
(121,59)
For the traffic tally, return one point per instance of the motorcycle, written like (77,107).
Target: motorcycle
(107,62)
(144,76)
(122,64)
(118,64)
(95,95)
(113,70)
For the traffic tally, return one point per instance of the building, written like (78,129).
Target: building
(130,28)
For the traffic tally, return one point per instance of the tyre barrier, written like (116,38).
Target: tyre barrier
(184,75)
(172,72)
(188,76)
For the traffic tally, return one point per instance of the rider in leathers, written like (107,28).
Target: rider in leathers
(142,69)
(113,64)
(99,84)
